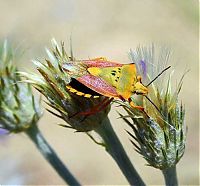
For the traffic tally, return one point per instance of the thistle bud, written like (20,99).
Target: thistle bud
(159,132)
(52,83)
(18,108)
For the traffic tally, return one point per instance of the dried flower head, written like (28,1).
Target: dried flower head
(52,83)
(159,132)
(18,108)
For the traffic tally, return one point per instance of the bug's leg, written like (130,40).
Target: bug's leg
(121,97)
(135,106)
(105,104)
(97,108)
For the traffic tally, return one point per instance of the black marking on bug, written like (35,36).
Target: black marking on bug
(81,90)
(117,79)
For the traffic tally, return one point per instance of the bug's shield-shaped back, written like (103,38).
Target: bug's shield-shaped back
(122,79)
(79,70)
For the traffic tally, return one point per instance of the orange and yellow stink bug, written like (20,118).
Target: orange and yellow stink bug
(110,79)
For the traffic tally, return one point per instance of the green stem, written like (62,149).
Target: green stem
(170,176)
(115,149)
(49,154)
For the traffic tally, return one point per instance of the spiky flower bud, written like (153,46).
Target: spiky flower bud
(18,108)
(53,85)
(159,132)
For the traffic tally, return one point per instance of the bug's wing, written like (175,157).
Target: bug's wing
(98,85)
(79,68)
(101,63)
(75,68)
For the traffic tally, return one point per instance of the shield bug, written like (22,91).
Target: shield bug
(110,79)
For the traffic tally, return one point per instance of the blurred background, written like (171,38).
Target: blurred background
(100,28)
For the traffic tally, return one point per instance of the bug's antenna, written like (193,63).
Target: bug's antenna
(153,104)
(158,76)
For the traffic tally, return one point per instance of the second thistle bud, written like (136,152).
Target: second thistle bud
(159,132)
(18,108)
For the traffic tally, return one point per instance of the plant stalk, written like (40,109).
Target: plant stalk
(116,150)
(49,154)
(170,176)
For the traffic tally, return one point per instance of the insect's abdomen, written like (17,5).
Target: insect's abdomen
(81,90)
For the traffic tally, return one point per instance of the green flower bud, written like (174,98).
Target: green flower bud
(159,132)
(52,83)
(18,108)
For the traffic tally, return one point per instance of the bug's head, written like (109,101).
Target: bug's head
(139,88)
